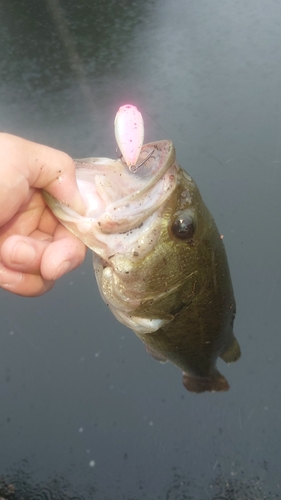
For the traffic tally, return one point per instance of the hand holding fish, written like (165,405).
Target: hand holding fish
(35,249)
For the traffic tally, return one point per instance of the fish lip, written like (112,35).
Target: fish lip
(117,206)
(166,160)
(115,217)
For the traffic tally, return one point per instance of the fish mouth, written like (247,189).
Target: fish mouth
(122,207)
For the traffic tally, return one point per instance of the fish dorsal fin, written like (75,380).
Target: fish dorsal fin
(232,351)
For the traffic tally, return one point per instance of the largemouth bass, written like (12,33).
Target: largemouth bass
(158,257)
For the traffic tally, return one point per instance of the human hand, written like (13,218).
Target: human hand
(35,249)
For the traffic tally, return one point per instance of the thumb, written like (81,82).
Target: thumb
(25,164)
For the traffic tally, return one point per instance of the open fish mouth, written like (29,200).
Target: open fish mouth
(123,208)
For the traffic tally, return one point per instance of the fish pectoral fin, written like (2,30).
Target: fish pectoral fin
(214,383)
(232,351)
(155,354)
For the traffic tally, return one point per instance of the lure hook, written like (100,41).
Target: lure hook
(134,168)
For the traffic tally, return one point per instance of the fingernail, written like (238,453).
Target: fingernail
(23,253)
(63,268)
(9,277)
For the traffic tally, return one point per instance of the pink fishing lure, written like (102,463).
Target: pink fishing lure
(129,133)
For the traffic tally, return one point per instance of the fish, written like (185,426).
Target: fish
(158,257)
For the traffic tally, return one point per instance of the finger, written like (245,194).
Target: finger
(24,164)
(62,255)
(32,255)
(27,285)
(54,171)
(23,253)
(58,258)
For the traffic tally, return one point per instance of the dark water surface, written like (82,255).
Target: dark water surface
(84,411)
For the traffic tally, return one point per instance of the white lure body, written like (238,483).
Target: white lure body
(129,133)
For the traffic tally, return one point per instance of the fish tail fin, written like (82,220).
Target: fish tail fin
(214,383)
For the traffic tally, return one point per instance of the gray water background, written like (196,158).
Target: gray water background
(83,408)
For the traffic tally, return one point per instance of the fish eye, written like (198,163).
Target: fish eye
(183,226)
